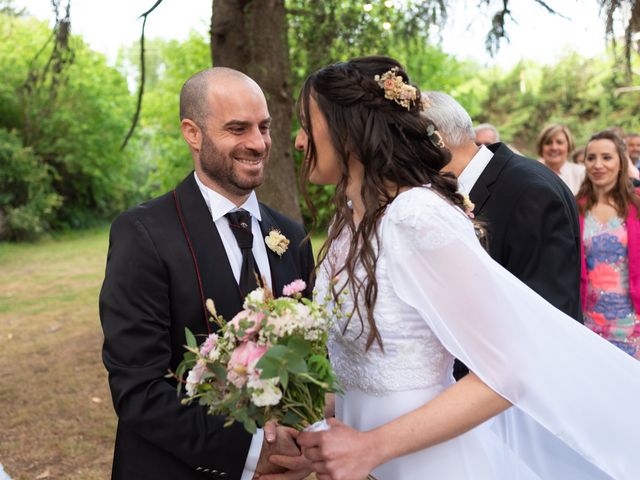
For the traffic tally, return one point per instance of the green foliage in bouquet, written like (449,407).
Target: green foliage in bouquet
(268,363)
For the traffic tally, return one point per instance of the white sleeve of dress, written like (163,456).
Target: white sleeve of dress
(570,381)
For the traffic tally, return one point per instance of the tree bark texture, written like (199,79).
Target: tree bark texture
(251,36)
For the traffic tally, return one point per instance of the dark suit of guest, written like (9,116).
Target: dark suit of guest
(532,224)
(165,258)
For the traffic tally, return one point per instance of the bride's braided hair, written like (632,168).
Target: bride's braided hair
(396,145)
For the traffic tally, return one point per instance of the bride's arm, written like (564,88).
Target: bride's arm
(348,454)
(458,409)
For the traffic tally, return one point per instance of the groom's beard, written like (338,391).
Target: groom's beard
(227,171)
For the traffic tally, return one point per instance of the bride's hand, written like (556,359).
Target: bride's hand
(340,453)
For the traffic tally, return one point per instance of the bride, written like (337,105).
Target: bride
(547,398)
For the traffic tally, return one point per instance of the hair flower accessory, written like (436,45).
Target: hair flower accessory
(395,89)
(468,206)
(276,242)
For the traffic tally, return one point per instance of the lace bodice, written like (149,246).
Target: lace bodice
(413,357)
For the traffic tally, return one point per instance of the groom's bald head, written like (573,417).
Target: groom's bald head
(196,92)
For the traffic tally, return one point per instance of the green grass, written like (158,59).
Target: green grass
(56,414)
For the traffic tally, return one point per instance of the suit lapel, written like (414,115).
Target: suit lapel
(218,282)
(482,189)
(283,268)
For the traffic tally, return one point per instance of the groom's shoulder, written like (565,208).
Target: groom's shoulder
(150,212)
(154,206)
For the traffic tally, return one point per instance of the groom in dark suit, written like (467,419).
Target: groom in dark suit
(166,257)
(530,214)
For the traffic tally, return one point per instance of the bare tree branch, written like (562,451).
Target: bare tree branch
(498,31)
(549,9)
(610,8)
(53,72)
(136,115)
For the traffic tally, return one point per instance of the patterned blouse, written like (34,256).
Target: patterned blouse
(609,311)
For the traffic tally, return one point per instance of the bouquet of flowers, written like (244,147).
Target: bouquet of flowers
(268,362)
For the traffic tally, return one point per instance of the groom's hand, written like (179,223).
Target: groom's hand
(280,457)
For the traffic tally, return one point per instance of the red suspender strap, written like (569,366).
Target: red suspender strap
(195,262)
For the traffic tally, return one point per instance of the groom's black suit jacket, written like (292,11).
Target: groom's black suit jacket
(532,224)
(150,294)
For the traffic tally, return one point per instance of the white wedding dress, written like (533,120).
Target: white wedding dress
(576,397)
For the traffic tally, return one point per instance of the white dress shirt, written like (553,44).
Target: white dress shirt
(474,169)
(219,206)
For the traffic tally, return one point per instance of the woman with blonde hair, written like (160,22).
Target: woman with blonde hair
(554,145)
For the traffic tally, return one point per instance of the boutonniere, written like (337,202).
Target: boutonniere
(276,242)
(468,206)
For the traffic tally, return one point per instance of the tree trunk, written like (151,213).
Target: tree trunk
(251,36)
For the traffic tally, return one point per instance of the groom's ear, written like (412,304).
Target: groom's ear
(192,134)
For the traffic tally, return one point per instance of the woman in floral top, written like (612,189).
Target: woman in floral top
(610,230)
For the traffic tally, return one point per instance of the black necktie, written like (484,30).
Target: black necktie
(240,223)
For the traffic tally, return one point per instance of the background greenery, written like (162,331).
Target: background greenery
(61,166)
(62,172)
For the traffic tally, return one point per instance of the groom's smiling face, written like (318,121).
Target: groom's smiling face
(236,137)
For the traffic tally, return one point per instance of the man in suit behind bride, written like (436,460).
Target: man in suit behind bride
(530,215)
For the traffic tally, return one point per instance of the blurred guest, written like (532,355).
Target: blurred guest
(530,214)
(632,140)
(554,144)
(633,171)
(577,156)
(486,134)
(610,227)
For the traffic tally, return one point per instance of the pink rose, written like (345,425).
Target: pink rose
(254,319)
(243,360)
(389,84)
(297,286)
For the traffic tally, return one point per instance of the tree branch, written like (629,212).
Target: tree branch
(136,115)
(550,10)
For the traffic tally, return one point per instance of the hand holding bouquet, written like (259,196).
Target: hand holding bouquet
(268,363)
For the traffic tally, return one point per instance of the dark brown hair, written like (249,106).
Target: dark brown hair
(395,148)
(622,193)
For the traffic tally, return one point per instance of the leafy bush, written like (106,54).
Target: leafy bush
(28,202)
(62,166)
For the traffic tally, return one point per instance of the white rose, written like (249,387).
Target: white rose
(256,296)
(265,393)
